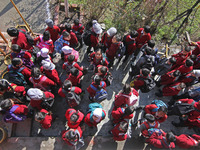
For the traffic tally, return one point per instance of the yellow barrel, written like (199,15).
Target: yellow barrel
(3,135)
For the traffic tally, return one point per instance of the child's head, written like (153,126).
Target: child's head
(16,48)
(6,104)
(176,73)
(147,29)
(112,31)
(129,110)
(46,35)
(189,63)
(39,116)
(71,135)
(170,137)
(193,57)
(66,36)
(98,54)
(162,111)
(68,27)
(126,89)
(97,79)
(172,60)
(74,117)
(74,72)
(103,70)
(67,85)
(49,23)
(76,21)
(133,34)
(3,84)
(70,58)
(117,38)
(186,49)
(123,127)
(13,32)
(150,118)
(145,72)
(17,62)
(35,72)
(151,43)
(97,114)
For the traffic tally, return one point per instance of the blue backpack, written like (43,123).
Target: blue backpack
(11,117)
(158,103)
(100,94)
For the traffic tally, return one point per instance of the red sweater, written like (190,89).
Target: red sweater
(117,134)
(138,83)
(131,46)
(184,70)
(102,61)
(37,40)
(171,90)
(142,39)
(196,51)
(112,51)
(17,89)
(54,32)
(93,92)
(46,122)
(73,64)
(76,28)
(167,78)
(105,40)
(22,109)
(77,91)
(185,141)
(73,41)
(75,79)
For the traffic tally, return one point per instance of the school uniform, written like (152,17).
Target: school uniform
(54,32)
(68,114)
(92,92)
(101,61)
(168,78)
(171,90)
(196,51)
(142,39)
(94,39)
(26,55)
(137,83)
(80,28)
(26,71)
(105,40)
(68,65)
(185,141)
(189,78)
(112,51)
(196,64)
(146,125)
(73,41)
(40,43)
(130,45)
(117,134)
(76,90)
(46,122)
(184,69)
(16,88)
(75,80)
(22,109)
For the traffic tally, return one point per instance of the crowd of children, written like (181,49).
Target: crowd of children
(33,77)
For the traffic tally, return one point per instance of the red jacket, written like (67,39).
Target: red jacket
(46,122)
(117,134)
(75,79)
(121,100)
(22,41)
(52,74)
(22,109)
(137,83)
(68,114)
(54,32)
(68,65)
(145,132)
(92,123)
(196,51)
(142,39)
(77,91)
(197,63)
(118,114)
(167,78)
(26,71)
(150,109)
(16,88)
(38,41)
(73,41)
(130,45)
(37,103)
(77,27)
(188,78)
(43,83)
(171,90)
(185,141)
(112,51)
(102,61)
(91,91)
(184,70)
(94,39)
(105,40)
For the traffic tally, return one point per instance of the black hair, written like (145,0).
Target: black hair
(151,43)
(189,63)
(6,104)
(170,137)
(163,109)
(99,50)
(149,117)
(67,84)
(4,84)
(13,32)
(147,29)
(126,89)
(129,110)
(187,48)
(103,70)
(71,58)
(71,135)
(74,117)
(193,57)
(145,72)
(97,79)
(118,37)
(133,34)
(76,21)
(16,48)
(68,27)
(176,73)
(35,72)
(172,60)
(123,125)
(65,34)
(74,71)
(16,61)
(46,35)
(40,116)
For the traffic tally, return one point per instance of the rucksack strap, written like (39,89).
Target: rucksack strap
(13,108)
(72,89)
(22,32)
(20,69)
(92,86)
(79,29)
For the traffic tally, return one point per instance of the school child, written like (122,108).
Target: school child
(181,57)
(44,41)
(185,141)
(41,81)
(187,67)
(13,112)
(75,77)
(73,137)
(195,51)
(171,90)
(95,115)
(78,29)
(62,41)
(130,44)
(44,118)
(104,73)
(53,30)
(120,131)
(66,51)
(114,49)
(94,37)
(122,113)
(19,38)
(74,118)
(96,58)
(106,39)
(162,140)
(36,97)
(190,78)
(127,97)
(43,55)
(196,60)
(96,83)
(17,68)
(48,68)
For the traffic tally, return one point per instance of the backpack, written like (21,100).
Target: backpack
(100,94)
(158,103)
(121,50)
(47,103)
(109,79)
(127,43)
(29,39)
(72,98)
(26,62)
(86,37)
(15,76)
(149,84)
(93,106)
(11,117)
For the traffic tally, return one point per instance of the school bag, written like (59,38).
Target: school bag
(11,117)
(15,76)
(158,103)
(149,84)
(86,37)
(29,39)
(25,61)
(72,98)
(93,106)
(47,103)
(101,94)
(109,79)
(121,50)
(127,43)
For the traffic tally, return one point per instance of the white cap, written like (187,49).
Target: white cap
(98,113)
(96,27)
(35,94)
(44,52)
(197,73)
(67,50)
(47,65)
(112,31)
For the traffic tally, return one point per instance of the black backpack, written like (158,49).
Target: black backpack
(86,37)
(121,50)
(29,39)
(149,84)
(47,103)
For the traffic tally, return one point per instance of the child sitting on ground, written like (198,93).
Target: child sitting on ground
(75,77)
(44,118)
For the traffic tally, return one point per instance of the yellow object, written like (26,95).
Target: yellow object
(7,60)
(4,135)
(132,83)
